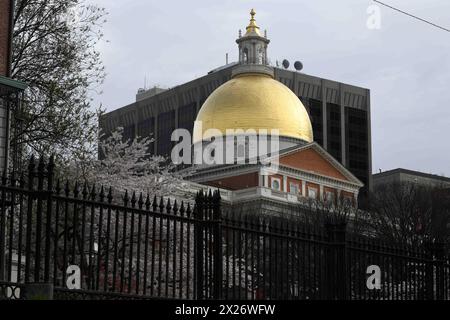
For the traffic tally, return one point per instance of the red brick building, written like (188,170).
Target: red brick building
(10,90)
(5,32)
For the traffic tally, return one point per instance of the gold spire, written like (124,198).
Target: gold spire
(252,27)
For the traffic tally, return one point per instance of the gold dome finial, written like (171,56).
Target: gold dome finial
(252,27)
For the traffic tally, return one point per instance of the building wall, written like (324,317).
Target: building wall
(311,161)
(4,36)
(409,176)
(237,182)
(340,113)
(4,51)
(3,135)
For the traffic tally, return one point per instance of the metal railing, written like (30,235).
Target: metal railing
(137,246)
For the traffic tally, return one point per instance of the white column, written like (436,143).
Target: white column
(304,188)
(285,184)
(266,181)
(321,195)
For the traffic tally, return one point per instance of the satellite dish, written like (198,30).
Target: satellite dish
(285,64)
(298,65)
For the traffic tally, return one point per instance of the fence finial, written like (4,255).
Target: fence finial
(161,204)
(133,199)
(93,192)
(110,195)
(125,198)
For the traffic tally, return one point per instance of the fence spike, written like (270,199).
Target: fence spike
(125,198)
(133,199)
(199,198)
(140,201)
(210,196)
(155,203)
(102,194)
(161,204)
(168,206)
(188,210)
(93,192)
(147,202)
(110,195)
(175,207)
(182,209)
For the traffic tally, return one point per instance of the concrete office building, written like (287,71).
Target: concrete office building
(340,114)
(401,176)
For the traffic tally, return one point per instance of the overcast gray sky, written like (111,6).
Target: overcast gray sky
(405,63)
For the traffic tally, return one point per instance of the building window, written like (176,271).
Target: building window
(166,125)
(241,151)
(293,188)
(329,196)
(312,193)
(347,201)
(276,184)
(186,116)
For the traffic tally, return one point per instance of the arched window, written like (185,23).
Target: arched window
(245,55)
(241,150)
(261,55)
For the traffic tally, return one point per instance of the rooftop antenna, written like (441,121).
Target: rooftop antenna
(226,58)
(145,82)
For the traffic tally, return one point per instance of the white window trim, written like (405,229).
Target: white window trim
(272,181)
(332,198)
(315,190)
(296,186)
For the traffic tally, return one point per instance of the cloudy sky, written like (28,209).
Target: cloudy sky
(405,63)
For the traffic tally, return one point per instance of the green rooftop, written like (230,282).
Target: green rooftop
(8,85)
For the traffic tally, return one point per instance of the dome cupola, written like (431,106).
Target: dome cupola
(253,99)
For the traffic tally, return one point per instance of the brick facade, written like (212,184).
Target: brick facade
(238,182)
(311,161)
(4,35)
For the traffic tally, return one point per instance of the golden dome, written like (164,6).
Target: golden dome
(254,101)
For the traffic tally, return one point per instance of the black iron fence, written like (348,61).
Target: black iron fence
(141,247)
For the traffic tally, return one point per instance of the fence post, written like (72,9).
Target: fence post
(439,251)
(218,267)
(336,261)
(198,245)
(50,169)
(435,278)
(39,220)
(3,276)
(430,283)
(29,217)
